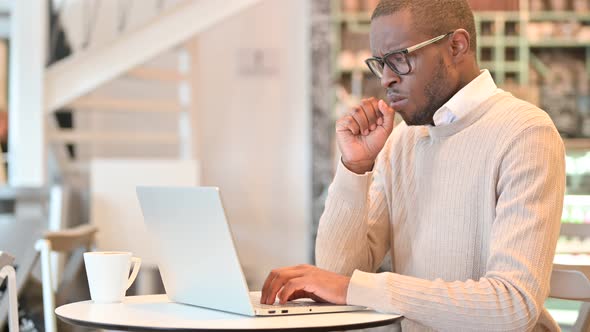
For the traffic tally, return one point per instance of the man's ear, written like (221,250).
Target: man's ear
(460,45)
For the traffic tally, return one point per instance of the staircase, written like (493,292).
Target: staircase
(93,80)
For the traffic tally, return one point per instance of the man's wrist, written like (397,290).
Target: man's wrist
(347,284)
(359,167)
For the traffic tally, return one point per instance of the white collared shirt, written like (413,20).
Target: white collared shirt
(467,99)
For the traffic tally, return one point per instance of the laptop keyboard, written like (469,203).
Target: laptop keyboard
(255,299)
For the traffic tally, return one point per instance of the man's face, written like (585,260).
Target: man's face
(431,83)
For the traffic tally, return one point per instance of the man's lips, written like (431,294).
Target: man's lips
(395,98)
(397,102)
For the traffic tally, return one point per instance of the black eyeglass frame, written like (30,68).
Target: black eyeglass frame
(383,61)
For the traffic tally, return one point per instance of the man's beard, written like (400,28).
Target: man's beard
(436,93)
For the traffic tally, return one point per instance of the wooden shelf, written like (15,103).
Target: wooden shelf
(490,41)
(492,16)
(508,66)
(534,16)
(577,143)
(570,229)
(560,43)
(566,16)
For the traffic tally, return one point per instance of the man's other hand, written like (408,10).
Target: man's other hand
(304,281)
(362,133)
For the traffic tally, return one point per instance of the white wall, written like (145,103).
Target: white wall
(254,131)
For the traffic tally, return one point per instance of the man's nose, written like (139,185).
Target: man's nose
(389,77)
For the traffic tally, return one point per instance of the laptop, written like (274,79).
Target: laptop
(197,258)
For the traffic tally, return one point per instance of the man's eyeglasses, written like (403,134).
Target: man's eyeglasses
(398,60)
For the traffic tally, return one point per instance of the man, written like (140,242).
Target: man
(466,195)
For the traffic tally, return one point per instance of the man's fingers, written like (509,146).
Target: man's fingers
(371,111)
(348,123)
(290,288)
(305,281)
(361,118)
(281,278)
(298,294)
(266,287)
(268,282)
(364,118)
(375,104)
(388,115)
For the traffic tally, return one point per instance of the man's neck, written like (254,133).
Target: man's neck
(469,76)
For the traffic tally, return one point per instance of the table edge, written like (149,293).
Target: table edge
(151,329)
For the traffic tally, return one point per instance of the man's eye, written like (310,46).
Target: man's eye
(396,58)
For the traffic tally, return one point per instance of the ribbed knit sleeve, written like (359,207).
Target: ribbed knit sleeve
(524,232)
(354,230)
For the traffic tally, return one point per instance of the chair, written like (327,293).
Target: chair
(7,272)
(23,220)
(571,281)
(75,242)
(27,213)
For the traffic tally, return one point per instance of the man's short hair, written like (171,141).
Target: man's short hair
(433,17)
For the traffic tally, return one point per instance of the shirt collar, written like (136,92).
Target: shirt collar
(467,99)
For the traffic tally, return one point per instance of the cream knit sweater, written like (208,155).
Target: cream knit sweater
(470,213)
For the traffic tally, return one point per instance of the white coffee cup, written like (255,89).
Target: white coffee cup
(108,274)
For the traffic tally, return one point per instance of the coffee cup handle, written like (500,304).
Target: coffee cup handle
(136,264)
